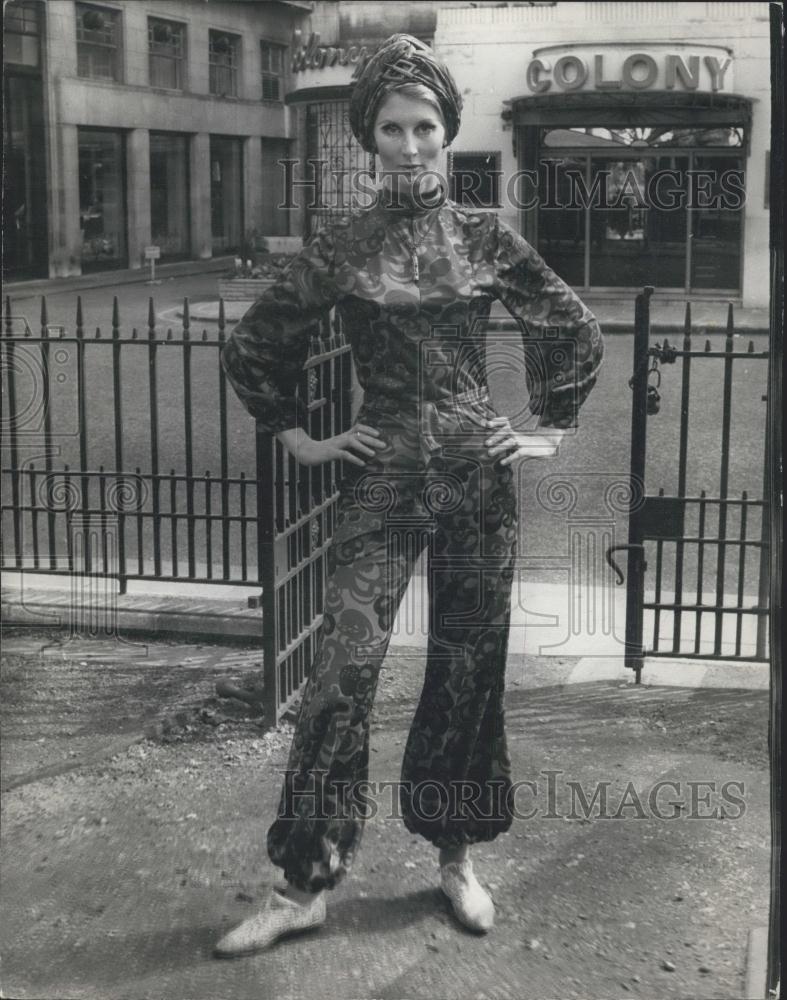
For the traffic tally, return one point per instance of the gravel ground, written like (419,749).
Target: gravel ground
(122,870)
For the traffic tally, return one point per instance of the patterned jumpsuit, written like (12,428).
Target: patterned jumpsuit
(418,357)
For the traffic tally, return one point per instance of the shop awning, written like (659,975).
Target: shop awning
(629,108)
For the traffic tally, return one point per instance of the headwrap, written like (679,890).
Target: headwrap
(399,60)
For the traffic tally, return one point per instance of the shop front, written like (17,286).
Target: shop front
(632,166)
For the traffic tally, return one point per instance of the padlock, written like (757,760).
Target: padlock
(653,403)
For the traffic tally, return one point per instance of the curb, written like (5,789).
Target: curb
(233,624)
(756,976)
(108,279)
(663,329)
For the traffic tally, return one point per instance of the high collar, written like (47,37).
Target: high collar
(396,205)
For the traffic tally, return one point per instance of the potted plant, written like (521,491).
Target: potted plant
(252,272)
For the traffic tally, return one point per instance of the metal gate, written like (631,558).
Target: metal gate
(686,595)
(297,519)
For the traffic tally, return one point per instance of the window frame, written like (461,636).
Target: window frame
(80,8)
(234,68)
(267,74)
(181,61)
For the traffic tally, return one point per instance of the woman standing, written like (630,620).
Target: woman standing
(429,466)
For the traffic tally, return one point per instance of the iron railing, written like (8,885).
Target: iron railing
(697,601)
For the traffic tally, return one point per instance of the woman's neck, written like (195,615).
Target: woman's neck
(412,201)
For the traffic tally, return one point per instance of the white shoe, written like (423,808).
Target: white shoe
(280,916)
(472,904)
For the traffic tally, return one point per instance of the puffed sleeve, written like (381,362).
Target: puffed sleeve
(265,353)
(564,357)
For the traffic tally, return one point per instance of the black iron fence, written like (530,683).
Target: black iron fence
(697,564)
(125,457)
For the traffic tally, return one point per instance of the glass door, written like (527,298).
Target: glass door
(226,193)
(638,228)
(169,194)
(717,222)
(561,217)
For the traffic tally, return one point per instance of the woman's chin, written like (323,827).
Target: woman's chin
(408,185)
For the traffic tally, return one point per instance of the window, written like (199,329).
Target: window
(98,42)
(475,179)
(272,60)
(166,53)
(102,198)
(223,61)
(21,30)
(660,205)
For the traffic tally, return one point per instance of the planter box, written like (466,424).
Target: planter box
(243,289)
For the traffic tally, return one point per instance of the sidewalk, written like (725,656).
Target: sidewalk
(616,315)
(124,864)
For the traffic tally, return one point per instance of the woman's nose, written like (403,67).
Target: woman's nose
(409,147)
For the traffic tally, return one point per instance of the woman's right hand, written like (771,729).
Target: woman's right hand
(355,445)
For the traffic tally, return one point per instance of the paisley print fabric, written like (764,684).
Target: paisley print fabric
(415,341)
(419,358)
(442,493)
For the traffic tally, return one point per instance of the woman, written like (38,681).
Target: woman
(429,465)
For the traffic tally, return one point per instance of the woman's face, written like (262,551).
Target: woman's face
(409,134)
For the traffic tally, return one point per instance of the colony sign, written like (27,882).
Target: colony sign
(622,68)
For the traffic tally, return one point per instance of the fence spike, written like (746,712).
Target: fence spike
(751,347)
(730,320)
(115,316)
(707,346)
(186,316)
(80,319)
(222,319)
(134,333)
(98,333)
(204,336)
(169,334)
(151,318)
(44,316)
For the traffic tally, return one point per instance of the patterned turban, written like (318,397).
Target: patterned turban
(401,59)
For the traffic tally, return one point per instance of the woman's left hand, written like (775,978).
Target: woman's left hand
(516,444)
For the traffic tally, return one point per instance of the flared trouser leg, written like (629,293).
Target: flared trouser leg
(319,825)
(456,772)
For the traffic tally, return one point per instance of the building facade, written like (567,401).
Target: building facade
(142,124)
(628,141)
